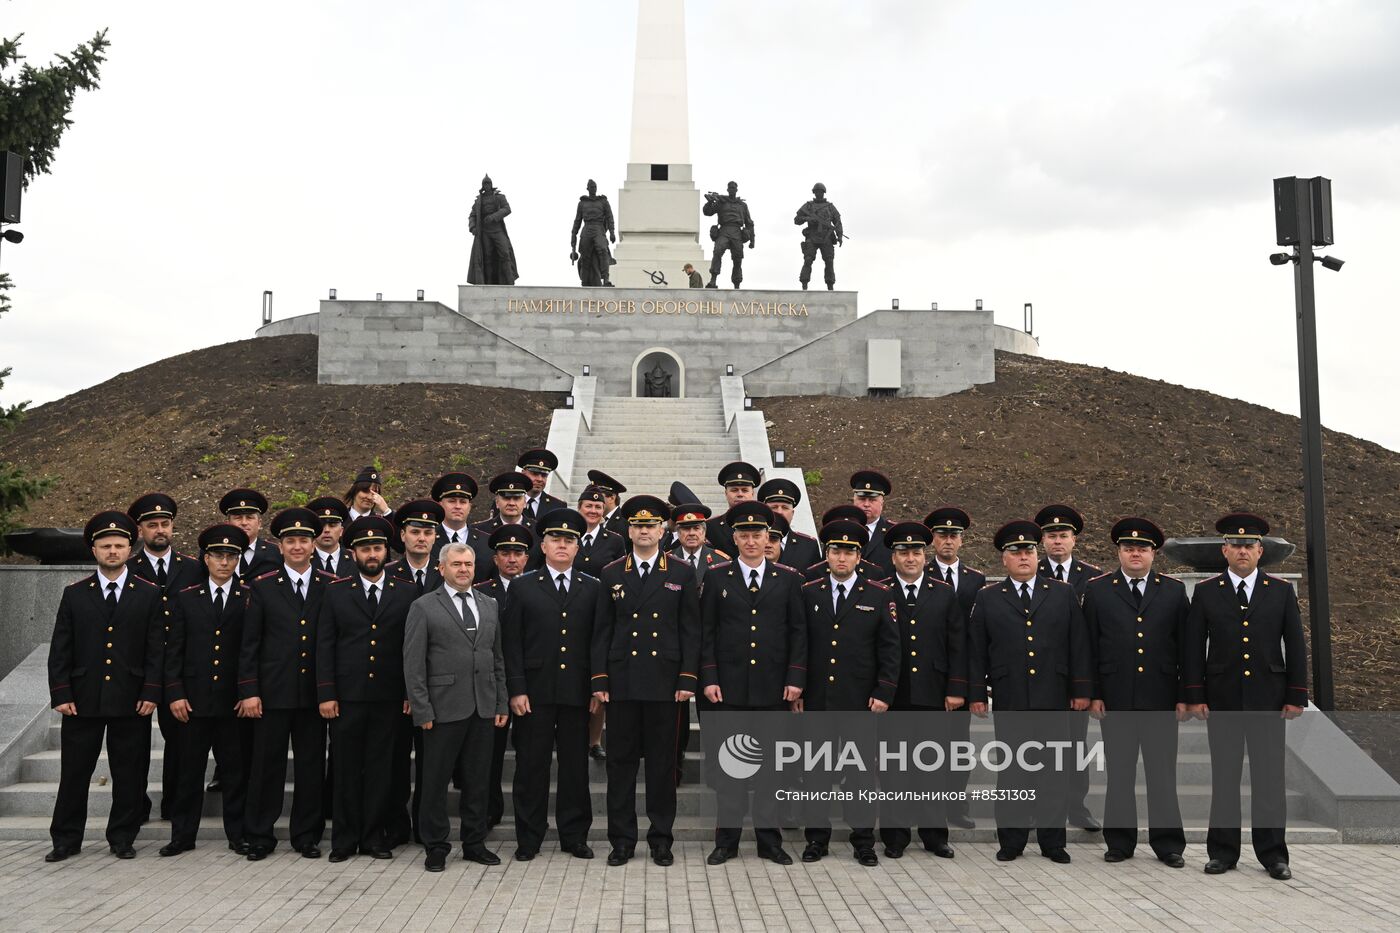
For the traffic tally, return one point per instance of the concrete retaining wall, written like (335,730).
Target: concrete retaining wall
(1013,340)
(29,595)
(301,324)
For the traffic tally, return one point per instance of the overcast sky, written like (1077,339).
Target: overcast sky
(1110,162)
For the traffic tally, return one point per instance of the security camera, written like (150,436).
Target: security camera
(1329,262)
(13,236)
(1280,259)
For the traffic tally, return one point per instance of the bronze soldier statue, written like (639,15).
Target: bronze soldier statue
(493,259)
(595,216)
(733,227)
(823,232)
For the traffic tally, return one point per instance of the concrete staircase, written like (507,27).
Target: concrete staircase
(26,806)
(647,443)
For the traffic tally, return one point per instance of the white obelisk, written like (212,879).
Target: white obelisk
(658,206)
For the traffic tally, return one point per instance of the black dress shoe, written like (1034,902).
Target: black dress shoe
(867,857)
(941,849)
(661,855)
(214,787)
(578,850)
(1058,856)
(1218,866)
(597,753)
(175,848)
(619,857)
(238,846)
(720,855)
(436,860)
(481,855)
(894,852)
(524,855)
(60,853)
(962,822)
(310,850)
(778,856)
(813,852)
(1279,871)
(257,853)
(123,850)
(1113,855)
(1173,860)
(339,855)
(379,852)
(1006,855)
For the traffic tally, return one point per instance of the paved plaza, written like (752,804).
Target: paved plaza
(1335,887)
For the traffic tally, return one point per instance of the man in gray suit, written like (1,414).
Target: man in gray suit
(454,672)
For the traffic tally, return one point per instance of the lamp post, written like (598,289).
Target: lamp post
(1303,216)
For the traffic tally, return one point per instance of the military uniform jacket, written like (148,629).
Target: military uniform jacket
(277,661)
(107,665)
(491,524)
(400,570)
(1137,649)
(473,538)
(875,551)
(752,644)
(933,644)
(719,535)
(547,638)
(615,523)
(544,506)
(802,551)
(497,591)
(607,547)
(201,651)
(1036,660)
(1245,659)
(267,557)
(969,583)
(646,637)
(181,570)
(343,564)
(706,559)
(873,572)
(854,656)
(1078,576)
(359,651)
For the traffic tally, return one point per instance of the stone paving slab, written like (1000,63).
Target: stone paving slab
(211,889)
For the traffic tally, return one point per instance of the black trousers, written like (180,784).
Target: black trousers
(858,815)
(174,732)
(496,800)
(959,730)
(1035,796)
(1152,735)
(406,783)
(935,830)
(267,777)
(364,735)
(220,734)
(709,746)
(732,798)
(128,757)
(551,730)
(464,747)
(1229,735)
(640,729)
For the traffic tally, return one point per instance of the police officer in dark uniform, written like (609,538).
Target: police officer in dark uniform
(645,659)
(537,464)
(154,559)
(330,556)
(753,657)
(201,689)
(455,492)
(105,667)
(277,689)
(868,491)
(799,551)
(244,509)
(1028,643)
(510,490)
(933,660)
(948,524)
(1246,672)
(598,546)
(1060,528)
(739,480)
(870,571)
(1137,620)
(690,548)
(360,687)
(612,517)
(511,546)
(852,664)
(546,635)
(417,522)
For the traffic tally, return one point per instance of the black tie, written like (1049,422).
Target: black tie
(530,509)
(418,578)
(301,594)
(1060,572)
(1137,593)
(563,582)
(910,594)
(948,576)
(642,569)
(588,540)
(840,597)
(219,601)
(1026,597)
(161,576)
(468,617)
(454,538)
(753,580)
(112,597)
(694,562)
(326,564)
(373,598)
(1244,597)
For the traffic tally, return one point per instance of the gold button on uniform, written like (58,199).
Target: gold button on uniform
(1246,673)
(634,654)
(1139,670)
(107,677)
(1032,670)
(109,644)
(563,667)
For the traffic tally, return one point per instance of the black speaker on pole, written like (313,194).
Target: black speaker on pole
(1321,191)
(11,186)
(1290,199)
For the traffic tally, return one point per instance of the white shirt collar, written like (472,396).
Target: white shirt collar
(904,584)
(849,584)
(1054,563)
(1017,584)
(332,556)
(227,587)
(1130,578)
(1249,581)
(119,581)
(745,569)
(366,583)
(168,557)
(305,578)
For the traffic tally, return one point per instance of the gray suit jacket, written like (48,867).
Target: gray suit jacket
(450,673)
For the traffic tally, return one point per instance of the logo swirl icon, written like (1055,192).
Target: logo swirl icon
(740,756)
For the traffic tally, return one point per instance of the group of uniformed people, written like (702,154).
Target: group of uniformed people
(532,623)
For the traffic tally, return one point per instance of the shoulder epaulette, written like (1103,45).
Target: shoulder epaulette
(270,573)
(325,574)
(878,585)
(615,562)
(818,581)
(586,576)
(142,580)
(90,581)
(722,564)
(786,567)
(798,534)
(722,555)
(195,586)
(1101,576)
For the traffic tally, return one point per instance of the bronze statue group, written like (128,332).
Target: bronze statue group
(393,679)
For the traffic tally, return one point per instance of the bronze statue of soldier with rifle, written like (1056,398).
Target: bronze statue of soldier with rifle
(733,227)
(823,233)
